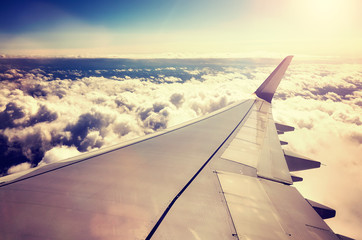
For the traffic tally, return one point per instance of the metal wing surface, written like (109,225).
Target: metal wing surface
(223,176)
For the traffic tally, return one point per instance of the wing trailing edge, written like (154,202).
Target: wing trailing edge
(268,87)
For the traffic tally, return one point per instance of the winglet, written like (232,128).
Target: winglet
(267,88)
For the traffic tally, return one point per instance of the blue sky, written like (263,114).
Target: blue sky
(20,16)
(182,28)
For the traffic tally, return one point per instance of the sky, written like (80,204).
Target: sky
(174,28)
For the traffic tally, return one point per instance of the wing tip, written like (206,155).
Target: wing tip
(267,89)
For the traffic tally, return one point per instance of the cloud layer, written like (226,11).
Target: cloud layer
(88,108)
(55,109)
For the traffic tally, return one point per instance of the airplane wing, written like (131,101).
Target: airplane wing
(222,176)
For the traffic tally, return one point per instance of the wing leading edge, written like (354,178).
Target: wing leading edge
(223,176)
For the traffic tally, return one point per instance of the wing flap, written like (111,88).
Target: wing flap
(278,209)
(250,208)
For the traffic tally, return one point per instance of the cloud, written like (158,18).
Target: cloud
(9,115)
(19,168)
(79,131)
(59,153)
(177,99)
(116,107)
(35,106)
(11,74)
